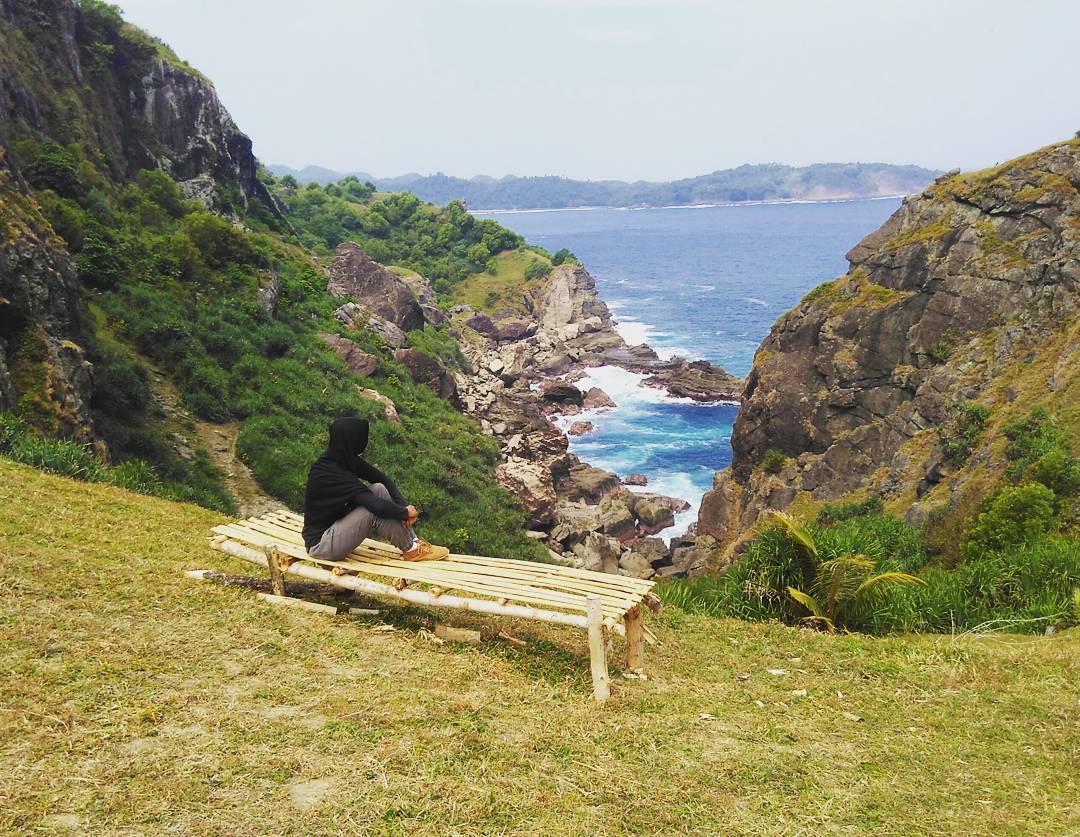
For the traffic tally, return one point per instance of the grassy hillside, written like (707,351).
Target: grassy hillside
(133,698)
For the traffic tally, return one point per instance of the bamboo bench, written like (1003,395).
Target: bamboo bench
(561,595)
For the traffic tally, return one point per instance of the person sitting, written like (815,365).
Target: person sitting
(348,500)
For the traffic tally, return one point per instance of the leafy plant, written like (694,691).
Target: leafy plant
(773,461)
(1017,515)
(837,587)
(959,434)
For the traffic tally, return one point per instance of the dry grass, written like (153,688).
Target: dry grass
(133,699)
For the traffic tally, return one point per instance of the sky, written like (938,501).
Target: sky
(632,89)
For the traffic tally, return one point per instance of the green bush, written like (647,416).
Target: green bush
(833,513)
(537,269)
(54,167)
(1016,516)
(959,434)
(1030,437)
(773,461)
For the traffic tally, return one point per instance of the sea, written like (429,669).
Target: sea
(699,282)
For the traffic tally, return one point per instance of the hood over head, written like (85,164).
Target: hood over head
(348,439)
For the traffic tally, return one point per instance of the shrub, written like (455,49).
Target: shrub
(941,351)
(563,256)
(960,433)
(54,167)
(1017,515)
(1030,437)
(773,461)
(537,269)
(833,513)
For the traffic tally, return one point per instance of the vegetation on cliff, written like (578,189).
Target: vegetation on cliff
(222,306)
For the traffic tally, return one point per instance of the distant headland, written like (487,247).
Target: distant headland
(747,183)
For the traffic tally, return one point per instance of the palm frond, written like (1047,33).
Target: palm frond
(886,580)
(796,531)
(809,602)
(837,581)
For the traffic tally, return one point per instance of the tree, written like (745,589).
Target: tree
(838,588)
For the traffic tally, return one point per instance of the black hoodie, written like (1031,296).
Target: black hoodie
(335,487)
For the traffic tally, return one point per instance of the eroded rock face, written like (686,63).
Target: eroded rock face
(530,482)
(374,287)
(40,358)
(964,284)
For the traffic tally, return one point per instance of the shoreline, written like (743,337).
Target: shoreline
(768,202)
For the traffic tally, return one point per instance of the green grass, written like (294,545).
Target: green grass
(134,699)
(504,289)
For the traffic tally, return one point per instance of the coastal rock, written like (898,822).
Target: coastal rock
(352,314)
(580,428)
(374,287)
(425,296)
(482,324)
(653,515)
(636,480)
(584,482)
(597,399)
(556,392)
(636,565)
(598,553)
(957,298)
(356,359)
(698,380)
(514,329)
(530,482)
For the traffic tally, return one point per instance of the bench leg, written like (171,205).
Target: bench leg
(635,639)
(277,577)
(597,648)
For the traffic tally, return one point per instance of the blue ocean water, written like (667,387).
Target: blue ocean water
(701,282)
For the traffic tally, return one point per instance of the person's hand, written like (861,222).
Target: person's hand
(414,515)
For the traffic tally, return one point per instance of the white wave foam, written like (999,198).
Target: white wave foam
(706,288)
(755,301)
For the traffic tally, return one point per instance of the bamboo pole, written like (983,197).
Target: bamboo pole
(634,623)
(597,650)
(352,582)
(289,601)
(277,579)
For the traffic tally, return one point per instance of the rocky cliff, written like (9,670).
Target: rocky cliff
(81,89)
(968,293)
(80,75)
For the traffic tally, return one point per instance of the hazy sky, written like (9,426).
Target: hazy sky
(628,89)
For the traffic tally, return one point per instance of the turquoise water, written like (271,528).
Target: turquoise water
(703,282)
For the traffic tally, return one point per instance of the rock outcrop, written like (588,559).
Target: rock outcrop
(42,365)
(966,293)
(374,288)
(143,108)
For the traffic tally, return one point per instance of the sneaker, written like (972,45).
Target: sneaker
(424,551)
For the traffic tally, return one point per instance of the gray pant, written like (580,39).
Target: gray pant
(349,532)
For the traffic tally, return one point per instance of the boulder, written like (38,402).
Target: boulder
(352,314)
(636,565)
(514,329)
(356,359)
(597,399)
(653,514)
(598,553)
(482,324)
(580,428)
(268,293)
(616,519)
(389,409)
(374,287)
(584,482)
(635,479)
(424,369)
(531,483)
(557,392)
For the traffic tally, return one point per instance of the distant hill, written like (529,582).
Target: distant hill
(769,182)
